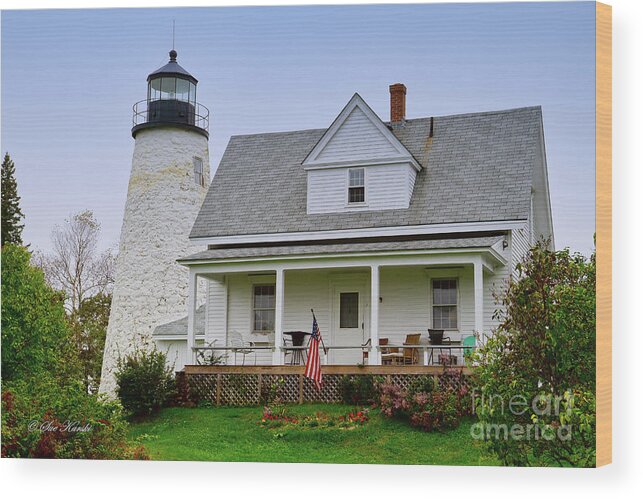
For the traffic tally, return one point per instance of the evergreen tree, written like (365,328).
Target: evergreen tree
(11,213)
(36,340)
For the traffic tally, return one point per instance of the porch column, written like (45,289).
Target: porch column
(375,356)
(192,280)
(478,297)
(278,354)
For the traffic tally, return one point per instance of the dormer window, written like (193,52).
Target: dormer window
(359,165)
(356,186)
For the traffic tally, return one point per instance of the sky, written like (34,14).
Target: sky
(70,78)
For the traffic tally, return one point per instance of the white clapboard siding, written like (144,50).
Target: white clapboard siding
(357,138)
(406,305)
(410,182)
(532,233)
(240,314)
(494,286)
(327,191)
(176,352)
(387,186)
(520,244)
(405,302)
(305,290)
(217,309)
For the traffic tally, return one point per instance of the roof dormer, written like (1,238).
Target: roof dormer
(359,164)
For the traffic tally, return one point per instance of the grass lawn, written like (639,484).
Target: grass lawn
(233,434)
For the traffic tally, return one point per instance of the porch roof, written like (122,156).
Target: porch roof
(179,327)
(481,242)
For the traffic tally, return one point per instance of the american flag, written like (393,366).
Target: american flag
(313,365)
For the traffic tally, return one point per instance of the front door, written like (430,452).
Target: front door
(348,323)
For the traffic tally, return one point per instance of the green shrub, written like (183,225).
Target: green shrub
(272,393)
(43,419)
(543,349)
(359,389)
(144,382)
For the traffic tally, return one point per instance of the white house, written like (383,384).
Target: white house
(384,229)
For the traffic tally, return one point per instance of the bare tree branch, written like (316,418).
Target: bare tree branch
(75,266)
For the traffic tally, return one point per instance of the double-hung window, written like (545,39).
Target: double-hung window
(263,308)
(356,186)
(445,303)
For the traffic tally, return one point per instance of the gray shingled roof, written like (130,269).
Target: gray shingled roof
(316,249)
(179,327)
(477,167)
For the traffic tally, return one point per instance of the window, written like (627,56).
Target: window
(356,185)
(199,179)
(348,310)
(171,88)
(445,303)
(263,308)
(168,88)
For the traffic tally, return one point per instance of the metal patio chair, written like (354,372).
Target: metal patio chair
(237,344)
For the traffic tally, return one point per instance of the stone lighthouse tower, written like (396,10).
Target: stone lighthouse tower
(168,182)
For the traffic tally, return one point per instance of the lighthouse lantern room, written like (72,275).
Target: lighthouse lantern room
(171,100)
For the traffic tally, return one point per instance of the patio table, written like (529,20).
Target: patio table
(298,338)
(447,344)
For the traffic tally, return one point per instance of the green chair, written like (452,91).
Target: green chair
(469,343)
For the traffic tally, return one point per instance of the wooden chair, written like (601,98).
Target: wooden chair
(390,355)
(411,355)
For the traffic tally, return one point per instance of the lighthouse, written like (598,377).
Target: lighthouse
(168,182)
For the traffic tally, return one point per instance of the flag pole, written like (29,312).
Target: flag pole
(320,336)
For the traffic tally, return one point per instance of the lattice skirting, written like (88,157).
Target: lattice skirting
(235,389)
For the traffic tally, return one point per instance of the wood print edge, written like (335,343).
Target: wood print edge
(603,234)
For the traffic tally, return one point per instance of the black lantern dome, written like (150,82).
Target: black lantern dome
(171,100)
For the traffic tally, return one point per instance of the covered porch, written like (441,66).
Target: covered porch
(373,308)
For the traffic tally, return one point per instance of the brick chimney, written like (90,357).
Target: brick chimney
(398,103)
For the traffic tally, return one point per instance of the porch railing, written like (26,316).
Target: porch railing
(434,355)
(428,355)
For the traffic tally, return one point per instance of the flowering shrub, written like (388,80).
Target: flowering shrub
(425,406)
(453,378)
(42,419)
(393,400)
(421,384)
(438,410)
